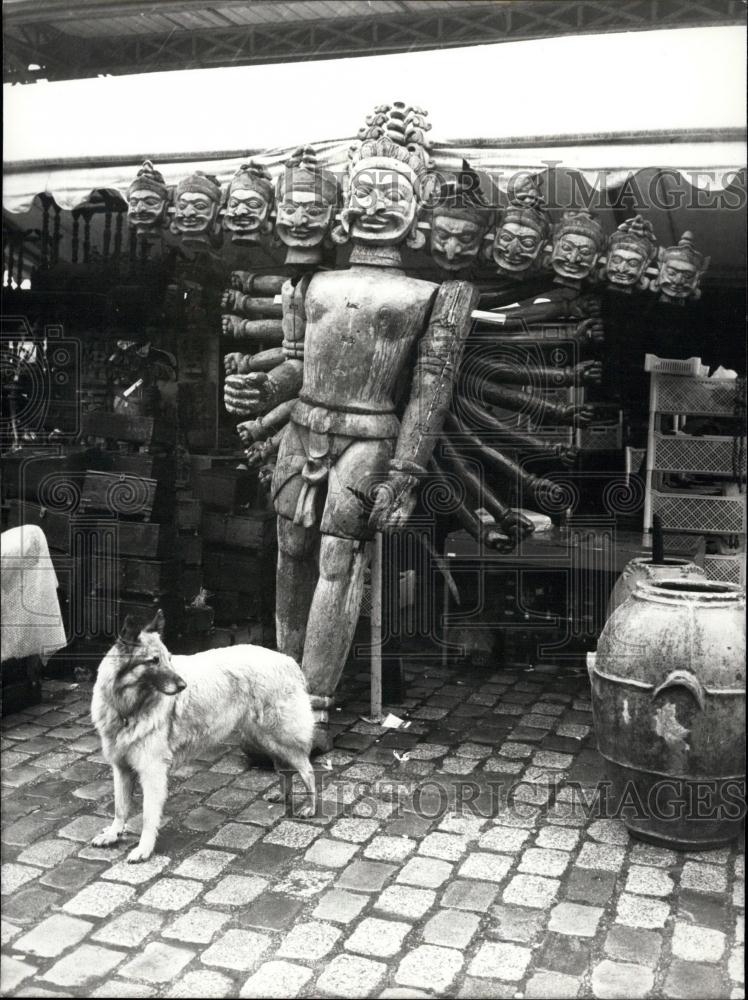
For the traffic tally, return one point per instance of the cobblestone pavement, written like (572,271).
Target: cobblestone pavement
(419,879)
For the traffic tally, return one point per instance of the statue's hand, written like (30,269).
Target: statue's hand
(580,414)
(250,431)
(395,501)
(588,373)
(516,526)
(248,395)
(566,454)
(586,305)
(257,453)
(591,330)
(236,363)
(265,475)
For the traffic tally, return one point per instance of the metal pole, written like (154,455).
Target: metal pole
(376,628)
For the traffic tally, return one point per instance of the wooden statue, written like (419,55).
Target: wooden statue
(523,230)
(680,271)
(248,204)
(307,199)
(347,464)
(460,218)
(631,249)
(147,201)
(197,200)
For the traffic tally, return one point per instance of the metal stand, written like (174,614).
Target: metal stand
(376,629)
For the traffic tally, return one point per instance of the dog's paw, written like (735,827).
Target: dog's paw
(139,854)
(305,812)
(274,795)
(107,838)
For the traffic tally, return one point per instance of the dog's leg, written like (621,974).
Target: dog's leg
(301,763)
(155,782)
(123,782)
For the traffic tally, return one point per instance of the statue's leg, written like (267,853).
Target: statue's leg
(294,587)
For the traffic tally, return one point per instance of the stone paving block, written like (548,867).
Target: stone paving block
(271,911)
(619,979)
(543,861)
(703,878)
(575,919)
(553,985)
(602,857)
(736,964)
(654,857)
(157,963)
(426,872)
(467,894)
(503,838)
(171,893)
(404,901)
(276,980)
(137,874)
(83,828)
(697,944)
(205,865)
(393,849)
(236,890)
(86,962)
(12,973)
(52,936)
(202,819)
(351,976)
(8,931)
(693,981)
(649,881)
(198,925)
(237,949)
(99,899)
(403,993)
(500,960)
(202,984)
(379,938)
(531,890)
(485,867)
(330,853)
(447,846)
(641,911)
(609,831)
(291,834)
(429,967)
(486,989)
(305,883)
(633,944)
(590,886)
(365,876)
(13,876)
(468,827)
(451,929)
(357,830)
(28,905)
(568,955)
(25,831)
(340,906)
(310,941)
(38,993)
(516,923)
(237,836)
(558,838)
(129,929)
(71,875)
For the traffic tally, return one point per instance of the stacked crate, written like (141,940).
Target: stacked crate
(239,556)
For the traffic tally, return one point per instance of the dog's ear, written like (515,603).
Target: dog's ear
(158,624)
(129,631)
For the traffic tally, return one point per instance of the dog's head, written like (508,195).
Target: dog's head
(144,663)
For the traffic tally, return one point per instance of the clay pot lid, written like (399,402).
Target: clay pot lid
(693,591)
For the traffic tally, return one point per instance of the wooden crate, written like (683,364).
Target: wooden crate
(119,494)
(150,577)
(254,530)
(55,525)
(188,511)
(190,550)
(128,427)
(241,571)
(226,489)
(147,540)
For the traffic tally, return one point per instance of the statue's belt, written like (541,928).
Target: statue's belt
(323,446)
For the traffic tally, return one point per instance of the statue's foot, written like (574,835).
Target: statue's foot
(321,740)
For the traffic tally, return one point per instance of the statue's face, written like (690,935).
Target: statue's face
(381,206)
(455,242)
(194,212)
(145,208)
(574,255)
(246,211)
(677,278)
(304,218)
(516,247)
(625,266)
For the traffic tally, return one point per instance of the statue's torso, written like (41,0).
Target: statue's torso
(360,327)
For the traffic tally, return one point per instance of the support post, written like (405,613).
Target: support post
(376,629)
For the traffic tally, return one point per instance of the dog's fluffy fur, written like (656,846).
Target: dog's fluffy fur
(153,710)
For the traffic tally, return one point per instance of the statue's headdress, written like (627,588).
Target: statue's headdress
(460,194)
(303,173)
(581,223)
(526,204)
(636,233)
(149,179)
(199,182)
(253,177)
(394,137)
(685,250)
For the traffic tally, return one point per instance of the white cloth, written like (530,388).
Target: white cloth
(31,618)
